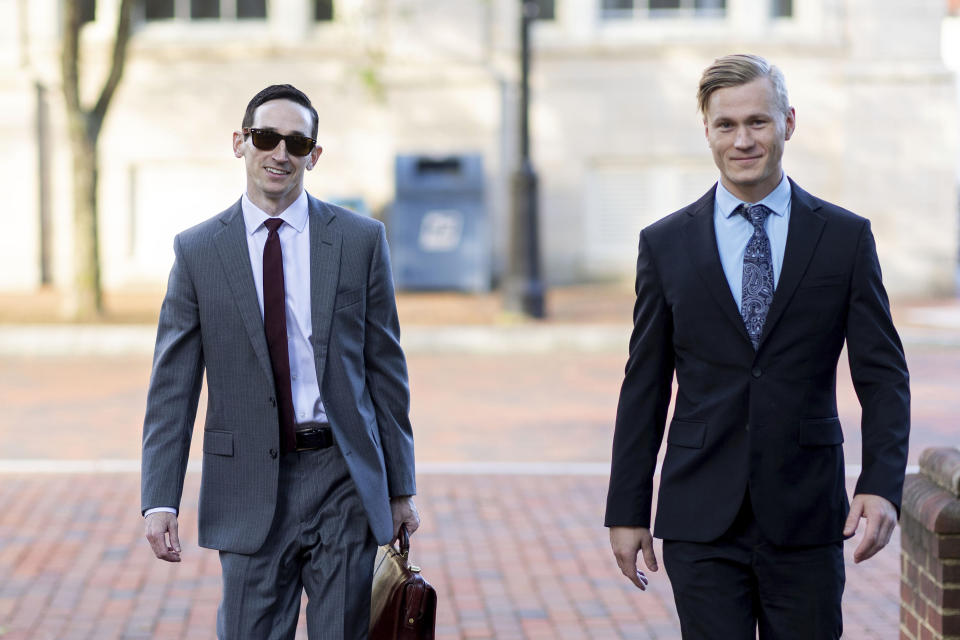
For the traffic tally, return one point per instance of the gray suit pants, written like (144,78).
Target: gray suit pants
(320,541)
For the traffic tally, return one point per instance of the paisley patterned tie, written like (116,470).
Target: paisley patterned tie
(757,273)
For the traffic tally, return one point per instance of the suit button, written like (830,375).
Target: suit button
(746,428)
(273,453)
(273,401)
(757,372)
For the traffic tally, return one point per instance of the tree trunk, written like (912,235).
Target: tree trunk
(85,300)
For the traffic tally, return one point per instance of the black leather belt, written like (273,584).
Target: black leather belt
(316,435)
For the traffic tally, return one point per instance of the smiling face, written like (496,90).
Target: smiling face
(275,177)
(746,131)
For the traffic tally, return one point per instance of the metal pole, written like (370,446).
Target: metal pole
(43,183)
(524,290)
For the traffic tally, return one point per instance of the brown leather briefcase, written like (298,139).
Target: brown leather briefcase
(403,606)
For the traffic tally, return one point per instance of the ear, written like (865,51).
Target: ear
(313,157)
(791,123)
(238,143)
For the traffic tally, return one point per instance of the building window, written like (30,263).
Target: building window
(158,9)
(631,9)
(617,8)
(323,10)
(546,9)
(204,9)
(200,9)
(88,11)
(251,8)
(782,8)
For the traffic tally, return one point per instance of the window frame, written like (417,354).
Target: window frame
(330,17)
(183,12)
(687,9)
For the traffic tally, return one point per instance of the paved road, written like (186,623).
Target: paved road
(512,555)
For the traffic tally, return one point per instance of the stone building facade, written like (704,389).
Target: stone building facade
(616,139)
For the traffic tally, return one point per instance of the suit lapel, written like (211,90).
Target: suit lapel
(325,245)
(803,234)
(231,243)
(702,246)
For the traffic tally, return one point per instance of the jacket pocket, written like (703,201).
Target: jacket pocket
(219,443)
(347,298)
(686,433)
(375,435)
(824,281)
(822,432)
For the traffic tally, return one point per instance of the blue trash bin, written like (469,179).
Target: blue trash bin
(438,228)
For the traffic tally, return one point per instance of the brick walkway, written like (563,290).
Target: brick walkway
(512,556)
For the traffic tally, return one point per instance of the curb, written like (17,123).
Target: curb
(462,468)
(138,340)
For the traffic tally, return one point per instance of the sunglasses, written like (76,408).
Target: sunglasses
(267,140)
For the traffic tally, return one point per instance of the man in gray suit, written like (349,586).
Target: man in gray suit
(287,304)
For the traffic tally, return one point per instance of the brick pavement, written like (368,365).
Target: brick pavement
(554,407)
(512,556)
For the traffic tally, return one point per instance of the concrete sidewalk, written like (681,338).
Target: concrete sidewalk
(583,318)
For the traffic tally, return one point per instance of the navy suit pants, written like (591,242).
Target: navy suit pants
(740,583)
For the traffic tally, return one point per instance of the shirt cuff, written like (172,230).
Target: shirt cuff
(159,509)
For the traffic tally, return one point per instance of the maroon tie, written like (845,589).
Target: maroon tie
(275,328)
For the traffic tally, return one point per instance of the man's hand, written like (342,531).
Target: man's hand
(404,512)
(159,526)
(881,519)
(626,542)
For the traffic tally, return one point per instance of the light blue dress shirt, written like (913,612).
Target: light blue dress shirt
(734,231)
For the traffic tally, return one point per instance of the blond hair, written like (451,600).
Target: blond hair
(738,69)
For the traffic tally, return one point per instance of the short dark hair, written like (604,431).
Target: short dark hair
(281,92)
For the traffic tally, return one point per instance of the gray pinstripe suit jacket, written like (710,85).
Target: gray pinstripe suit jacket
(210,321)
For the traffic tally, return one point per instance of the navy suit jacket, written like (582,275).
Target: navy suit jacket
(760,421)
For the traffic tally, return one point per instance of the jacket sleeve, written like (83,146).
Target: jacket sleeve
(879,372)
(644,399)
(174,391)
(386,371)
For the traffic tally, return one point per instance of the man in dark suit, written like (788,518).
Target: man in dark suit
(287,304)
(748,295)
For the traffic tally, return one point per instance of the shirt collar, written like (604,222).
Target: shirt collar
(295,215)
(777,200)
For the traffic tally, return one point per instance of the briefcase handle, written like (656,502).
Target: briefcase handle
(404,539)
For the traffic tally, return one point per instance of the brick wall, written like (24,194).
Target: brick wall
(930,554)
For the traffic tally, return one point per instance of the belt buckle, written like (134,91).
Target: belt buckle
(311,432)
(302,434)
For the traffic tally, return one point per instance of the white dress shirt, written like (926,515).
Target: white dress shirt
(734,232)
(295,246)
